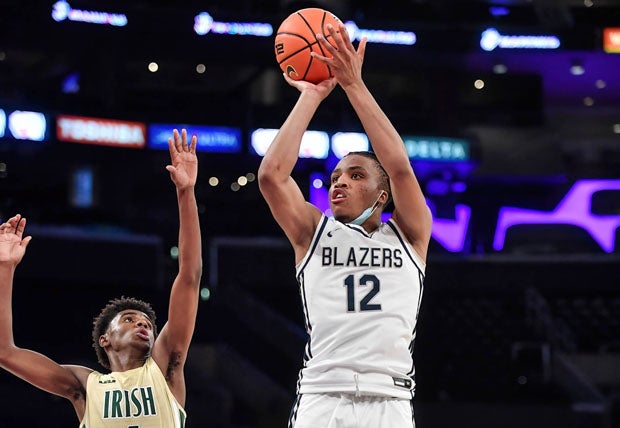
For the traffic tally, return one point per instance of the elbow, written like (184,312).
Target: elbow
(265,171)
(197,276)
(5,354)
(190,273)
(194,276)
(267,176)
(190,279)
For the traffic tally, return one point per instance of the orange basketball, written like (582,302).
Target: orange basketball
(296,38)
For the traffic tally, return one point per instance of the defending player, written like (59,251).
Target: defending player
(360,279)
(146,386)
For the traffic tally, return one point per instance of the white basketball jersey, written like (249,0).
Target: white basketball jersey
(361,295)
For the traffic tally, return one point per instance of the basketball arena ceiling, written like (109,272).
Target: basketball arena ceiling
(37,54)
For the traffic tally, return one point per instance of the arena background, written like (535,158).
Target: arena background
(520,322)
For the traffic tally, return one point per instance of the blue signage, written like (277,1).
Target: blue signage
(218,139)
(437,148)
(2,122)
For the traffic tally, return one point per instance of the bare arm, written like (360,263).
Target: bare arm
(172,344)
(411,211)
(34,368)
(296,217)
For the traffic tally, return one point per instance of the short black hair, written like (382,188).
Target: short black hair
(384,177)
(107,314)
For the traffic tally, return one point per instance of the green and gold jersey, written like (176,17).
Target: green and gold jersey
(137,398)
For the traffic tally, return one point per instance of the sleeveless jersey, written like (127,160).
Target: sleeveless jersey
(361,296)
(135,398)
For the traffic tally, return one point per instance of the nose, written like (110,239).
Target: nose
(340,183)
(142,323)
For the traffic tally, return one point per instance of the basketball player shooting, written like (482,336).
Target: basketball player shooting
(146,384)
(360,279)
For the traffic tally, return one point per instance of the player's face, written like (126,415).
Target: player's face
(131,327)
(354,187)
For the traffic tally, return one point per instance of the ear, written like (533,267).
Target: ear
(383,197)
(103,340)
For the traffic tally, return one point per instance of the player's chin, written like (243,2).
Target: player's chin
(341,217)
(144,343)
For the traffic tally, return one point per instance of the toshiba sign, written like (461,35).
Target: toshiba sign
(106,132)
(611,40)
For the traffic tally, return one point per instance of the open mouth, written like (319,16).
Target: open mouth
(338,196)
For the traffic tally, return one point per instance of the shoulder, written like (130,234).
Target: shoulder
(303,243)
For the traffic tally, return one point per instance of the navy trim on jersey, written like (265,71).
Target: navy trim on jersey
(314,244)
(308,351)
(358,229)
(402,242)
(415,327)
(300,276)
(411,372)
(302,294)
(421,277)
(300,376)
(293,416)
(417,314)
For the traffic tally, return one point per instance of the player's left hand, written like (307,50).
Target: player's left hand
(184,168)
(345,62)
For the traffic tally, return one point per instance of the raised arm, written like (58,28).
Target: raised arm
(34,368)
(296,217)
(172,344)
(411,211)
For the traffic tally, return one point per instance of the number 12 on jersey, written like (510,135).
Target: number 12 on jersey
(364,303)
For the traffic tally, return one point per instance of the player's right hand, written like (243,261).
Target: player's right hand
(12,242)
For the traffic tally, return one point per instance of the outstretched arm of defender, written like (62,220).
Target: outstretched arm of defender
(172,344)
(34,368)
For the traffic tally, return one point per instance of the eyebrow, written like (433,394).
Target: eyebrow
(351,168)
(134,312)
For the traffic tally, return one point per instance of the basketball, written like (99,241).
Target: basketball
(296,38)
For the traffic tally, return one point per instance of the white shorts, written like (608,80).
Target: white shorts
(335,410)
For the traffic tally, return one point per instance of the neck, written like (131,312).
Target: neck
(124,362)
(371,225)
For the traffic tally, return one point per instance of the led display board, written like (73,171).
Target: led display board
(209,138)
(611,40)
(26,125)
(389,37)
(62,10)
(204,24)
(437,148)
(346,142)
(314,144)
(98,131)
(492,39)
(2,122)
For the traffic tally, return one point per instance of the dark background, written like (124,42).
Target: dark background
(526,335)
